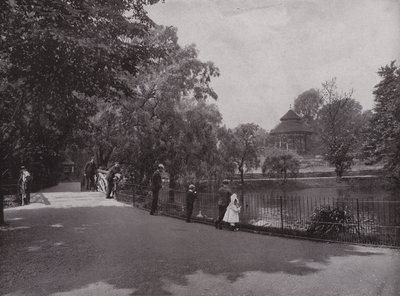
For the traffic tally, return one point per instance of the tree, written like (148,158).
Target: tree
(308,104)
(55,57)
(167,117)
(59,57)
(242,146)
(281,164)
(384,133)
(340,126)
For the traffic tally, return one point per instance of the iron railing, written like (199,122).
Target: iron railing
(345,219)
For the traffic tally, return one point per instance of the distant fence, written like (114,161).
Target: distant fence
(340,219)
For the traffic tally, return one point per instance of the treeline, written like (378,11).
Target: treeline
(100,78)
(344,132)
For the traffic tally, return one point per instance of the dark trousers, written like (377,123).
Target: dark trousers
(27,199)
(110,187)
(90,182)
(154,203)
(189,209)
(221,214)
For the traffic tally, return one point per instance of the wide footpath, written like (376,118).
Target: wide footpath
(73,243)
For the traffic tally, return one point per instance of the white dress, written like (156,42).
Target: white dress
(232,211)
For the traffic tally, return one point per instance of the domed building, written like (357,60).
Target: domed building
(291,133)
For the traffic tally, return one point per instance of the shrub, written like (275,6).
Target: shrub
(281,164)
(329,220)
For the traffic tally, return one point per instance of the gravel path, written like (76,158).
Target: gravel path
(73,243)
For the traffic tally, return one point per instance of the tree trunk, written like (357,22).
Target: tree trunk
(241,175)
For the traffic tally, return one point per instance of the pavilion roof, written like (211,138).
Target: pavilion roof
(291,123)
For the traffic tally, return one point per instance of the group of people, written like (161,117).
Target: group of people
(228,203)
(91,171)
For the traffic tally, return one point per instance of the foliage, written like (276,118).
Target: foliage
(327,220)
(241,146)
(58,58)
(340,126)
(384,130)
(167,118)
(281,164)
(308,104)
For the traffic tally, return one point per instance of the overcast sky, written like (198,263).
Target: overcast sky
(269,51)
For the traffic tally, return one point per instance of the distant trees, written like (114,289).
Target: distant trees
(383,143)
(308,104)
(241,146)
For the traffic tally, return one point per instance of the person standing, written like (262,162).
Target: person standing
(90,172)
(191,195)
(110,178)
(224,193)
(156,185)
(232,212)
(25,186)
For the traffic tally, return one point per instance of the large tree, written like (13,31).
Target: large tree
(384,131)
(55,58)
(340,126)
(168,116)
(58,56)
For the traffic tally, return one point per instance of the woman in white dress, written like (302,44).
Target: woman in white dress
(232,212)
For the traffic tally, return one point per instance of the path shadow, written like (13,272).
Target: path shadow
(68,249)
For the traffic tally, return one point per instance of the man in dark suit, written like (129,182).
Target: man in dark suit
(191,195)
(110,178)
(224,193)
(156,185)
(90,172)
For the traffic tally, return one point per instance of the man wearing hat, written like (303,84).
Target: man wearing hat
(110,178)
(224,193)
(156,185)
(25,186)
(90,172)
(191,195)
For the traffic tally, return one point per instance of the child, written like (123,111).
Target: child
(232,212)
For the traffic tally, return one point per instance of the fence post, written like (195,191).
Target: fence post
(133,195)
(358,218)
(280,201)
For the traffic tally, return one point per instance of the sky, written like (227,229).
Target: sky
(270,51)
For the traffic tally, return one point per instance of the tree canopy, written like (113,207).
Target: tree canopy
(384,133)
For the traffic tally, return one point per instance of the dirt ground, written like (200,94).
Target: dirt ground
(73,243)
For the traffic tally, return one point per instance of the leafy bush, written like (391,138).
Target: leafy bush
(329,220)
(281,164)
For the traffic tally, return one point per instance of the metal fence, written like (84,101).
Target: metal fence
(341,219)
(11,195)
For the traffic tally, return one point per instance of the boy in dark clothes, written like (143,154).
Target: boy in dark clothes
(191,195)
(224,194)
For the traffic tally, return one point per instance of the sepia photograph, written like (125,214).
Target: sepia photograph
(200,147)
